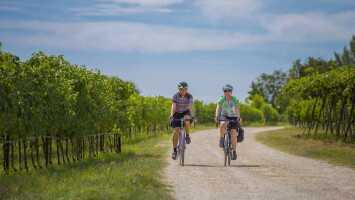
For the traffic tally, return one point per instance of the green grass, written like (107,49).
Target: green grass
(292,141)
(136,173)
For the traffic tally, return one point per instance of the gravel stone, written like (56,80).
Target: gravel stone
(259,172)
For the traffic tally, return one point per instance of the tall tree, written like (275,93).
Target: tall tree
(269,86)
(348,55)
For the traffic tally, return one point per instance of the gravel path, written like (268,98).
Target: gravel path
(259,173)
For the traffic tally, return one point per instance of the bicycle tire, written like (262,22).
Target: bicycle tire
(182,148)
(182,157)
(226,138)
(229,151)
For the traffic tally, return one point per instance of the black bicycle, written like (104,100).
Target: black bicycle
(228,143)
(182,140)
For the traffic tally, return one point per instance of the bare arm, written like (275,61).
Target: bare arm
(191,108)
(237,112)
(218,111)
(173,109)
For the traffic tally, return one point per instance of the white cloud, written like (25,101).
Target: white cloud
(222,9)
(124,36)
(114,9)
(315,27)
(157,3)
(126,7)
(147,38)
(10,8)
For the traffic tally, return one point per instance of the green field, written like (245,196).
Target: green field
(136,173)
(293,141)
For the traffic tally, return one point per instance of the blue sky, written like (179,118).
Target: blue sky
(158,43)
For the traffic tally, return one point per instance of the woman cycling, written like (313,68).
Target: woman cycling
(228,108)
(181,108)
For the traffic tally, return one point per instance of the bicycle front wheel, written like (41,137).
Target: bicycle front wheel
(226,150)
(229,150)
(182,146)
(182,157)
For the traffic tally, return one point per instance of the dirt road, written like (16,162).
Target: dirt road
(258,173)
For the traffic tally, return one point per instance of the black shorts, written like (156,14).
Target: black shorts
(179,116)
(232,125)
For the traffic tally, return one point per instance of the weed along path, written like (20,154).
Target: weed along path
(259,173)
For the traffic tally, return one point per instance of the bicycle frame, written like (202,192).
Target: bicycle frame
(227,146)
(181,142)
(227,143)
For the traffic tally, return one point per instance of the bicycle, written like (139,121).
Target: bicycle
(182,141)
(228,143)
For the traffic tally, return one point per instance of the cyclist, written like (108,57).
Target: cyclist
(228,108)
(181,108)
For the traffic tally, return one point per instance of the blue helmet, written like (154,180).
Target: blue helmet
(227,87)
(183,85)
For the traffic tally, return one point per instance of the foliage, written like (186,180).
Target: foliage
(327,99)
(262,111)
(204,112)
(348,55)
(250,114)
(269,87)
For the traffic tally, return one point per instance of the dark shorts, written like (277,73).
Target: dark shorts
(232,125)
(179,116)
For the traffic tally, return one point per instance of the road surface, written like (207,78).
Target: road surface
(259,173)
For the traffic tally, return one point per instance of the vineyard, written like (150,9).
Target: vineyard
(50,109)
(325,101)
(53,112)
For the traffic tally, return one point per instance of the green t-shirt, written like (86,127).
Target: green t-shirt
(228,109)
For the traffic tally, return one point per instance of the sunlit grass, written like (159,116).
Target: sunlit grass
(293,141)
(136,173)
(133,174)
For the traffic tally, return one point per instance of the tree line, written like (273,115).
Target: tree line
(48,104)
(315,94)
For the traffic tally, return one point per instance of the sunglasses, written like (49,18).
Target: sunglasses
(227,90)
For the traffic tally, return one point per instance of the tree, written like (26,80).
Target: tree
(270,88)
(348,55)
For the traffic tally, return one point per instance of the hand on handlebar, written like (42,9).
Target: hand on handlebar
(216,119)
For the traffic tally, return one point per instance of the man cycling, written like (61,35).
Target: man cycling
(181,108)
(228,108)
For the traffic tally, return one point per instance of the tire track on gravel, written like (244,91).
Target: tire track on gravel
(259,173)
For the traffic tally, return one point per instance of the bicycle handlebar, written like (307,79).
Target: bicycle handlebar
(227,120)
(181,120)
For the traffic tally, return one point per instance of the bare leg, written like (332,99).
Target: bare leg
(233,133)
(176,136)
(223,129)
(187,125)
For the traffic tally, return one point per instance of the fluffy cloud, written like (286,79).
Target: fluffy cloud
(126,7)
(316,27)
(221,9)
(150,2)
(123,36)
